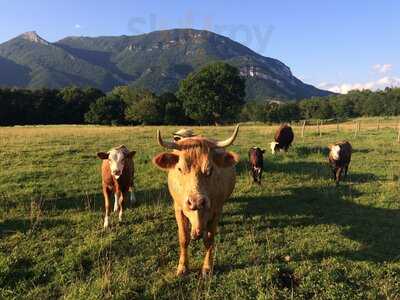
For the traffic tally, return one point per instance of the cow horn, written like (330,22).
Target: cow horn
(168,145)
(229,141)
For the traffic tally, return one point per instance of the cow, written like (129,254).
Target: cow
(283,138)
(201,176)
(339,159)
(117,170)
(256,162)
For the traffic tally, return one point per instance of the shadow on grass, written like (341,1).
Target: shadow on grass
(375,228)
(12,226)
(315,170)
(303,151)
(95,201)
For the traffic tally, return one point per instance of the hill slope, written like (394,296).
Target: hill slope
(157,60)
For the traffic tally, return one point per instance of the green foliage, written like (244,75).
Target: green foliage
(106,110)
(144,109)
(214,94)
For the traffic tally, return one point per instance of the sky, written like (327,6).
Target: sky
(337,45)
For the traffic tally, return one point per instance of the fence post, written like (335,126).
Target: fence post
(398,132)
(379,124)
(337,125)
(320,131)
(355,128)
(302,128)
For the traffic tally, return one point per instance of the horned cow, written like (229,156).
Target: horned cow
(117,170)
(201,176)
(339,159)
(256,162)
(283,138)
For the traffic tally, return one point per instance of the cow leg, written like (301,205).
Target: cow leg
(106,207)
(115,202)
(338,175)
(184,240)
(345,171)
(334,173)
(209,245)
(121,200)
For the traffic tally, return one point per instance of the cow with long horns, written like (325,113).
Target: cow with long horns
(201,176)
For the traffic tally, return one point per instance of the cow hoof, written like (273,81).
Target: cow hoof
(181,271)
(105,225)
(205,272)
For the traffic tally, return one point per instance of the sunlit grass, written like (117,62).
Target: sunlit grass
(295,236)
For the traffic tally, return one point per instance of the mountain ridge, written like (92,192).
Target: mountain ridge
(157,60)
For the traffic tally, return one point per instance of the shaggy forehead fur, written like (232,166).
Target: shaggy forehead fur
(196,150)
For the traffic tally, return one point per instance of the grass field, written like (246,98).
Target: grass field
(295,237)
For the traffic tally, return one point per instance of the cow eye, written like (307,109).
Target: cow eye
(180,170)
(208,172)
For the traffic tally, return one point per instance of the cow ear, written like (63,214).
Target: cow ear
(131,154)
(225,159)
(330,146)
(263,150)
(102,155)
(166,160)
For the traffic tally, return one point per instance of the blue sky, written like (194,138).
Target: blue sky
(336,45)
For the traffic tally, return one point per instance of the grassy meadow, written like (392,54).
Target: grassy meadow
(296,236)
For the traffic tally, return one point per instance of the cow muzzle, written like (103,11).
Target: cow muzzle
(197,203)
(116,173)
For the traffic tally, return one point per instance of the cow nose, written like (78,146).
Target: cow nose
(196,203)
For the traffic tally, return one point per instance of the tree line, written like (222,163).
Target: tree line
(214,94)
(356,103)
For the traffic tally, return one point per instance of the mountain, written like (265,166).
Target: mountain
(157,61)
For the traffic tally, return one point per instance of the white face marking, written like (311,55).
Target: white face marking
(335,152)
(273,144)
(116,159)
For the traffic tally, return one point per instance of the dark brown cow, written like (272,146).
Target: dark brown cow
(117,172)
(201,176)
(339,159)
(283,138)
(256,162)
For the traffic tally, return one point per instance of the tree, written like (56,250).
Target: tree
(172,110)
(213,94)
(146,110)
(106,110)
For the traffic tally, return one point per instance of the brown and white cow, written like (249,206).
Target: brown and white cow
(256,163)
(117,172)
(201,176)
(283,138)
(339,159)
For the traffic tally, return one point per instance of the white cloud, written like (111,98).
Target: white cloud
(78,26)
(382,68)
(379,84)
